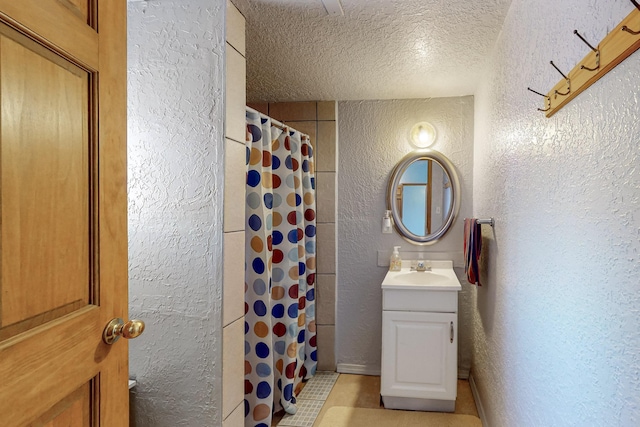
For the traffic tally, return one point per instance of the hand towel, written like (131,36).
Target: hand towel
(472,247)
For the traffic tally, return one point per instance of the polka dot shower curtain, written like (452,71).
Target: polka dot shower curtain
(280,265)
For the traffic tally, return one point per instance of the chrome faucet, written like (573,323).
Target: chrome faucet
(421,266)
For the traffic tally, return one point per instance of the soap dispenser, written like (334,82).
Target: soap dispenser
(395,263)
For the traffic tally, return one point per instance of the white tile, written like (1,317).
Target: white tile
(232,366)
(305,416)
(235,176)
(233,277)
(326,147)
(326,348)
(236,28)
(327,110)
(326,196)
(326,248)
(319,387)
(236,95)
(236,419)
(326,301)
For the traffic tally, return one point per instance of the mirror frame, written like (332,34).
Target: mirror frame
(394,181)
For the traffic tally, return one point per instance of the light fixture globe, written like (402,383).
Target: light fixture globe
(423,135)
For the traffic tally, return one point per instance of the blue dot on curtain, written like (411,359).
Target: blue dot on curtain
(262,350)
(292,311)
(306,182)
(247,407)
(259,287)
(263,370)
(259,308)
(255,222)
(314,355)
(301,336)
(246,327)
(275,163)
(293,236)
(301,268)
(310,310)
(279,347)
(268,200)
(294,146)
(310,230)
(269,222)
(292,330)
(298,201)
(255,132)
(305,166)
(290,181)
(278,311)
(311,294)
(247,348)
(288,392)
(263,390)
(288,162)
(253,178)
(277,274)
(261,424)
(293,255)
(277,200)
(313,183)
(258,265)
(248,156)
(310,247)
(253,200)
(277,237)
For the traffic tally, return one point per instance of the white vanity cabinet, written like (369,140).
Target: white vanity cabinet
(420,344)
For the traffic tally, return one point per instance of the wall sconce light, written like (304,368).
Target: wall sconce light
(423,135)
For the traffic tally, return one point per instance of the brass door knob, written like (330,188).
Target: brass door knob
(116,328)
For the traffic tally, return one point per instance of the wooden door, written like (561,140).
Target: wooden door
(63,202)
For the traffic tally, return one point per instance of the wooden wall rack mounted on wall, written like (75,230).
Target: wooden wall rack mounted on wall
(618,45)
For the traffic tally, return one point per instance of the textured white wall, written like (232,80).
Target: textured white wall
(176,51)
(373,138)
(557,325)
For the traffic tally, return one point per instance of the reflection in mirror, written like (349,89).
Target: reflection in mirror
(423,196)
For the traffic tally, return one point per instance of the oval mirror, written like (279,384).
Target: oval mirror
(423,196)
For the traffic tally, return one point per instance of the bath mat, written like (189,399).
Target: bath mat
(341,416)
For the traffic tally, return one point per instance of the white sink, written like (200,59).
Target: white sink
(440,278)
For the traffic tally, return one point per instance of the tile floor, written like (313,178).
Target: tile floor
(310,401)
(328,389)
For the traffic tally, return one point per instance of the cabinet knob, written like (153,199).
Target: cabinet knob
(451,333)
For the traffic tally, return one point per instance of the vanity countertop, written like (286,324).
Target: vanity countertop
(441,277)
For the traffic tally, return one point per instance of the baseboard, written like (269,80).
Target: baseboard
(476,397)
(345,368)
(463,374)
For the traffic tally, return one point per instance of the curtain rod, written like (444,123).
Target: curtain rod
(276,123)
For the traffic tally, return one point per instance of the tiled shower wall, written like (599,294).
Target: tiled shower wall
(318,120)
(234,202)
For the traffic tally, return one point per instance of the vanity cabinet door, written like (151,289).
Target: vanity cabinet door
(419,355)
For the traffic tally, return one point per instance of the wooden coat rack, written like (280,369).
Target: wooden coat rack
(612,50)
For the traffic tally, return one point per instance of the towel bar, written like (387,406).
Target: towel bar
(489,221)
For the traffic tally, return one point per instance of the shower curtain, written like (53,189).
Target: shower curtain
(280,265)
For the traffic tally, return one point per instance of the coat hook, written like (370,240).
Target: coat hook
(547,99)
(597,51)
(627,29)
(566,78)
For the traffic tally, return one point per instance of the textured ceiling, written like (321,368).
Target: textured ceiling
(379,49)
